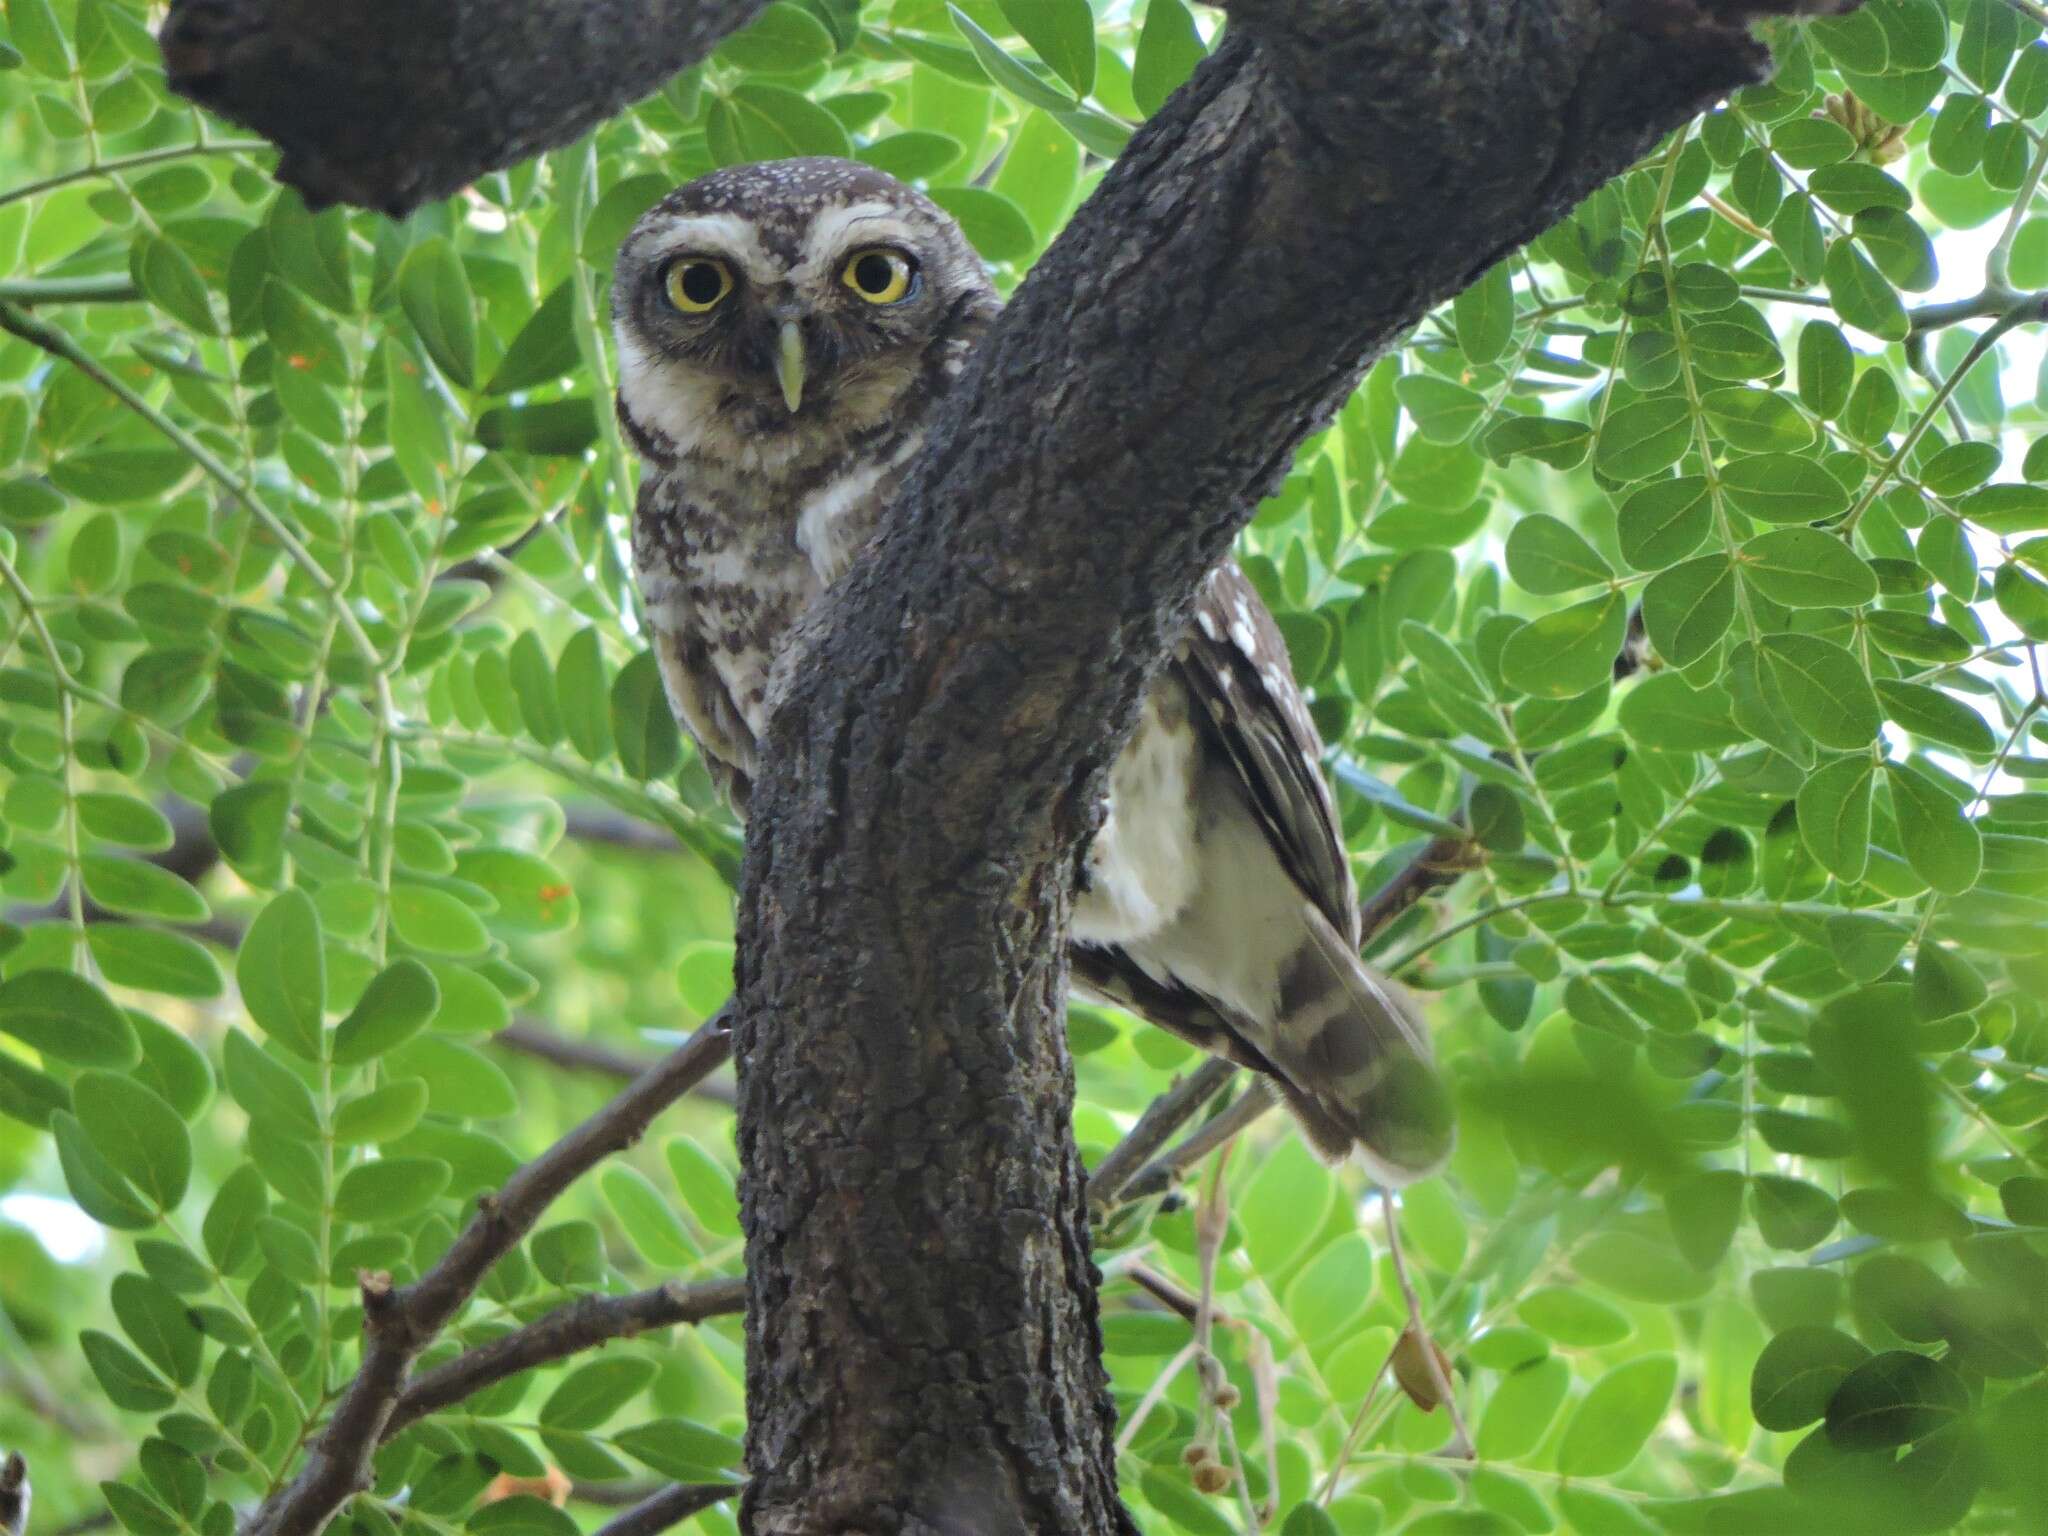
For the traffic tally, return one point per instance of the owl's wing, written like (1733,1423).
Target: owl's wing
(1235,662)
(699,698)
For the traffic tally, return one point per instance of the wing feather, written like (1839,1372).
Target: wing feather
(1235,662)
(699,697)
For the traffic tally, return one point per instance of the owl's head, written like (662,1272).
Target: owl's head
(796,303)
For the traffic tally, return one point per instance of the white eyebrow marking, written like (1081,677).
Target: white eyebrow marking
(826,237)
(713,234)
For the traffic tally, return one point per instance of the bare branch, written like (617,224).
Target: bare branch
(1166,1114)
(665,1508)
(579,1325)
(399,1322)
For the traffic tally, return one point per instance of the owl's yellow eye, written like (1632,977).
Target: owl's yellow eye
(879,275)
(696,284)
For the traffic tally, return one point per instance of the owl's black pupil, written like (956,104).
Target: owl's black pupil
(702,283)
(873,273)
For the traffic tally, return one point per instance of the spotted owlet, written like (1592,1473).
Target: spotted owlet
(786,333)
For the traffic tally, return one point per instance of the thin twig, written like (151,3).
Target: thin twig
(400,1322)
(677,1502)
(570,1329)
(529,1037)
(1166,1114)
(1432,1361)
(1158,1175)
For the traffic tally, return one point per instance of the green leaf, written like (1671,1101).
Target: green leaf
(706,1186)
(1827,368)
(1798,1373)
(546,428)
(1638,440)
(1061,32)
(643,725)
(1013,75)
(994,225)
(1939,841)
(545,347)
(434,291)
(168,279)
(1894,1399)
(434,920)
(1663,522)
(1826,688)
(1783,488)
(267,1089)
(682,1450)
(394,1007)
(158,1324)
(1484,314)
(383,1114)
(1546,556)
(1791,1213)
(532,895)
(1688,608)
(1573,1317)
(137,1133)
(1861,295)
(1443,412)
(1568,651)
(592,1393)
(1704,1209)
(783,39)
(390,1189)
(1523,1407)
(128,1383)
(1898,245)
(569,1253)
(94,1183)
(1617,1416)
(282,973)
(773,122)
(155,961)
(1834,815)
(1805,568)
(645,1217)
(461,1082)
(1944,984)
(1169,48)
(67,1017)
(1934,715)
(521,1515)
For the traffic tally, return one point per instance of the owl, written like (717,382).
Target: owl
(786,334)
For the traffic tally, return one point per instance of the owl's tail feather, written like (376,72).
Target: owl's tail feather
(1354,1063)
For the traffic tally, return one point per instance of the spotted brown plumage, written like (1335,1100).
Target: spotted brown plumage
(785,332)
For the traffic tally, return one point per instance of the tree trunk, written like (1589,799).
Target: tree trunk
(923,1344)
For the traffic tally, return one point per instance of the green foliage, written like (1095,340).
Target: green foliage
(328,744)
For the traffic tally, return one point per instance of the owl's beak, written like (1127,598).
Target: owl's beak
(789,365)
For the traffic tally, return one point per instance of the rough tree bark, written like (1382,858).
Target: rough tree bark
(923,1347)
(389,104)
(922,1324)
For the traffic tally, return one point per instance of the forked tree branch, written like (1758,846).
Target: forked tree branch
(399,1322)
(569,1329)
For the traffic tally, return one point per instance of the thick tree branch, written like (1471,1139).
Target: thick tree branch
(1334,171)
(662,1510)
(569,1329)
(398,1322)
(389,104)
